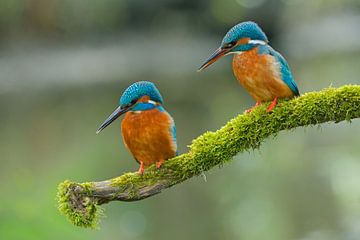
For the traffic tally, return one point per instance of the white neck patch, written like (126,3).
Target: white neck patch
(260,42)
(152,102)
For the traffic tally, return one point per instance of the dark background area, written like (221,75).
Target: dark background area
(64,64)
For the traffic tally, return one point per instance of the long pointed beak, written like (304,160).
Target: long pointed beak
(118,111)
(213,58)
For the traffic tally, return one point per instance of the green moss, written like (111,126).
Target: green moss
(74,203)
(150,176)
(242,133)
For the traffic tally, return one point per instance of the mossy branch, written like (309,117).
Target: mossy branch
(80,201)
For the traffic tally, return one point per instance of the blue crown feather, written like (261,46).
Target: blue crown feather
(138,90)
(244,30)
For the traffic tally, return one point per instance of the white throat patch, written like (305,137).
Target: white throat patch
(237,52)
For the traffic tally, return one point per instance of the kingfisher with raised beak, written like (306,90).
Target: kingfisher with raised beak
(261,70)
(147,129)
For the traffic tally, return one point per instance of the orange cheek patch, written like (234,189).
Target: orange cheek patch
(243,41)
(143,99)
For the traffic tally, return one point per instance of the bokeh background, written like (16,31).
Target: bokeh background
(64,64)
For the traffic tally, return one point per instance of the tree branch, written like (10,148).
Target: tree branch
(80,201)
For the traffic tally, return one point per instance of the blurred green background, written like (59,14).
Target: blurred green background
(64,64)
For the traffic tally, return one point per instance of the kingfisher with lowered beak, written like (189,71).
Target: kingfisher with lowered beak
(261,70)
(147,129)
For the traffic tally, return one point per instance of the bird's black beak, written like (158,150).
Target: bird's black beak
(118,111)
(214,57)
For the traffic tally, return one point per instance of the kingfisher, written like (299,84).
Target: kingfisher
(261,70)
(148,130)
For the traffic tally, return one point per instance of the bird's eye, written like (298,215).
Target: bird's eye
(129,104)
(229,45)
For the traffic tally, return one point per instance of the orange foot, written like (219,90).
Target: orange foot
(272,105)
(159,163)
(141,169)
(251,109)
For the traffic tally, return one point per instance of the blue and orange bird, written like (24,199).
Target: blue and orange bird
(147,129)
(261,70)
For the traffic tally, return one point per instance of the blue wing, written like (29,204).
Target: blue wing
(284,68)
(173,132)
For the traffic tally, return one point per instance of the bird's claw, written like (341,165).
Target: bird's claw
(272,105)
(141,168)
(159,163)
(251,109)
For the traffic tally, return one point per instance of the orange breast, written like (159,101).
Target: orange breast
(260,76)
(147,134)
